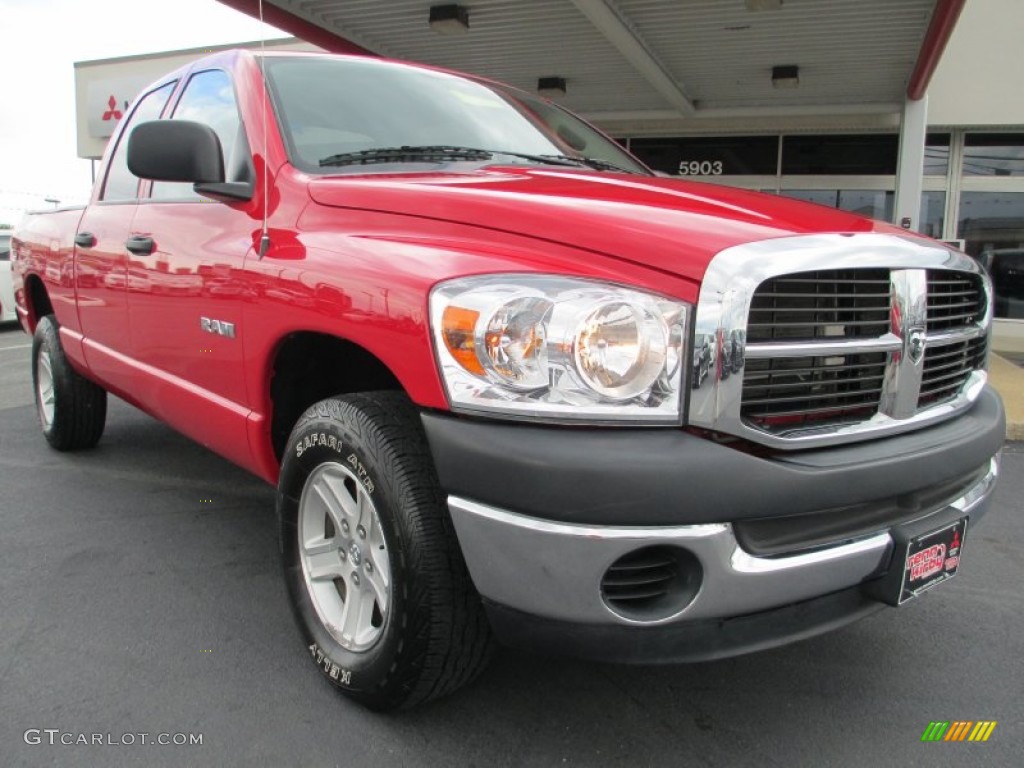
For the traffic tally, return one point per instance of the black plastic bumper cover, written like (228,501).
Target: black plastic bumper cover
(703,640)
(607,476)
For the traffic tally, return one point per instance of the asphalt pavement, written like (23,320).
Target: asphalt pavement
(140,594)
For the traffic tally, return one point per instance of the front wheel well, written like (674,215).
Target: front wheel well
(310,367)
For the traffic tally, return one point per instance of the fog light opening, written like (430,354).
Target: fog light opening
(651,584)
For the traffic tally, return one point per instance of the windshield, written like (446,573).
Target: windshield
(351,107)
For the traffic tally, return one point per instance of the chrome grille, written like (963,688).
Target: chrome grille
(954,300)
(825,339)
(793,391)
(947,368)
(843,307)
(823,304)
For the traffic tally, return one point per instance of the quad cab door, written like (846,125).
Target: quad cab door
(102,255)
(185,286)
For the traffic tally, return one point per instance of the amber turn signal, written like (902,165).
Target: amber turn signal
(457,328)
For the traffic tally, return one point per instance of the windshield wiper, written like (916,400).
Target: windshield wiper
(438,153)
(604,165)
(444,152)
(588,162)
(544,159)
(406,154)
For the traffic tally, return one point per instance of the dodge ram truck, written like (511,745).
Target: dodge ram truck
(512,386)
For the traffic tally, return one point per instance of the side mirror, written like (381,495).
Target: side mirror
(175,150)
(183,150)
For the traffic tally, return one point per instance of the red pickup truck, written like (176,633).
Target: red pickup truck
(509,383)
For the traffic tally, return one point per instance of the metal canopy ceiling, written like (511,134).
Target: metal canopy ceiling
(649,60)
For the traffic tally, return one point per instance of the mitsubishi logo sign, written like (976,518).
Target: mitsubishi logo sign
(107,102)
(112,112)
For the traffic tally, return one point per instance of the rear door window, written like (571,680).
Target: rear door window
(122,184)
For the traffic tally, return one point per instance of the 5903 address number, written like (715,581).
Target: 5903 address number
(700,168)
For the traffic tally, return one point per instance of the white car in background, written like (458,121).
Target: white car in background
(7,314)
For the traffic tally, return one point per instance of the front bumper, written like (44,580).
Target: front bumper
(540,571)
(554,570)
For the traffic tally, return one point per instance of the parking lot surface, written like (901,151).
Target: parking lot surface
(140,593)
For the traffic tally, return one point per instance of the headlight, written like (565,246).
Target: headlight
(535,346)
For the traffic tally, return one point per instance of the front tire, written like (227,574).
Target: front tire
(374,571)
(72,410)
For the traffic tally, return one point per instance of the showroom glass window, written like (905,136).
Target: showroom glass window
(209,98)
(710,156)
(990,217)
(122,184)
(936,154)
(993,154)
(852,172)
(937,151)
(873,203)
(991,225)
(933,213)
(840,155)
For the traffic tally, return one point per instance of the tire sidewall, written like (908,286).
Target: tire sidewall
(46,340)
(330,437)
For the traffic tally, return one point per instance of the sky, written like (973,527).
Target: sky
(42,40)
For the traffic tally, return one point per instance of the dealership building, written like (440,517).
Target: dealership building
(909,111)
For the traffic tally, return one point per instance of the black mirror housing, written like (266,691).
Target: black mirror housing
(176,150)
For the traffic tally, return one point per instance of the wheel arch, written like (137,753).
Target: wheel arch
(37,300)
(308,366)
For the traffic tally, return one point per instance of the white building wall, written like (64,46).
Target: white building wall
(978,80)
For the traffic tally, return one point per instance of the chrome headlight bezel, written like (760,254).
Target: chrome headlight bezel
(486,372)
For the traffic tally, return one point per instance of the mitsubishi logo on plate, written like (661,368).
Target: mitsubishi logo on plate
(915,344)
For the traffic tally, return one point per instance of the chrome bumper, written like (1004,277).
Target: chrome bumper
(554,570)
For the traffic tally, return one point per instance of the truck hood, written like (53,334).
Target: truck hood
(671,225)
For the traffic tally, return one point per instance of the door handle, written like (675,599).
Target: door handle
(139,245)
(85,239)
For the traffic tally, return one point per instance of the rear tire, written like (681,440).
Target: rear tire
(72,410)
(375,574)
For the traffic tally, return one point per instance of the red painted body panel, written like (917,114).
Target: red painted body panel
(192,272)
(101,284)
(45,251)
(355,257)
(674,226)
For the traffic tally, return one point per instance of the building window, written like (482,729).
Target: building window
(994,154)
(718,156)
(845,155)
(936,154)
(933,214)
(992,226)
(875,204)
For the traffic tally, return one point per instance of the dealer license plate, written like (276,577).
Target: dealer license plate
(931,558)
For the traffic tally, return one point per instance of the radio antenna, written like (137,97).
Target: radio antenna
(265,235)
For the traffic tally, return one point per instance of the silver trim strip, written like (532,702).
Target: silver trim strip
(554,569)
(744,562)
(953,337)
(887,343)
(721,323)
